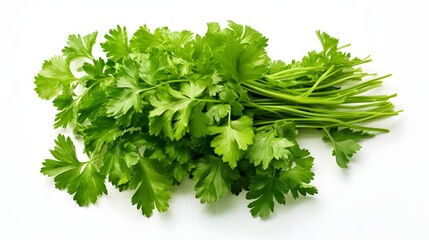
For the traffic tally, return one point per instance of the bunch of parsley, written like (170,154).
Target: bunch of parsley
(168,105)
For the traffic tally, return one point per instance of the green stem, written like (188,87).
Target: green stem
(344,79)
(284,96)
(209,100)
(288,72)
(163,83)
(316,124)
(375,98)
(321,78)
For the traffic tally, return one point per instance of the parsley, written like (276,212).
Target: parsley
(82,179)
(345,143)
(166,105)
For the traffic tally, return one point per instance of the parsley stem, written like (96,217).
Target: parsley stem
(359,99)
(328,114)
(344,79)
(287,72)
(321,78)
(315,123)
(163,83)
(209,100)
(298,99)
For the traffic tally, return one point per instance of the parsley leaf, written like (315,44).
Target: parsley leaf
(96,69)
(264,190)
(152,187)
(86,185)
(213,179)
(218,111)
(268,146)
(300,174)
(199,121)
(248,35)
(178,150)
(126,95)
(66,106)
(118,161)
(242,62)
(116,45)
(55,73)
(101,132)
(163,106)
(172,110)
(154,67)
(234,136)
(78,47)
(345,142)
(266,187)
(143,39)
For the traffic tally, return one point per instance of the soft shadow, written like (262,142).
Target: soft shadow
(291,205)
(305,133)
(225,204)
(186,187)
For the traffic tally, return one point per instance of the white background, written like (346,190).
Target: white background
(384,194)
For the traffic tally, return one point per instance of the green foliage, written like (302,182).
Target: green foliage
(78,47)
(345,142)
(213,179)
(163,106)
(268,146)
(86,185)
(54,76)
(234,137)
(116,45)
(152,186)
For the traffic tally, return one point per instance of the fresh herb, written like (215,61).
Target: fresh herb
(169,105)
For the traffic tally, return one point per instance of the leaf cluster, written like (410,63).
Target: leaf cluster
(167,105)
